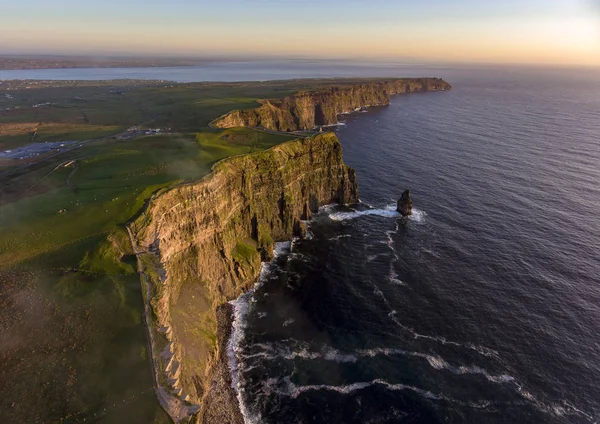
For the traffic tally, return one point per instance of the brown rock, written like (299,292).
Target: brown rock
(205,242)
(308,110)
(405,204)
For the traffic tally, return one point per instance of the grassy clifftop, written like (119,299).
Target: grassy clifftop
(307,110)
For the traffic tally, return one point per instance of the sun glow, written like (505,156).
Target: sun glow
(555,31)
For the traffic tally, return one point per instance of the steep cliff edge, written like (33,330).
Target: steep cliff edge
(201,244)
(307,110)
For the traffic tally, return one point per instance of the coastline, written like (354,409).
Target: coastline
(237,314)
(308,110)
(221,404)
(231,263)
(236,216)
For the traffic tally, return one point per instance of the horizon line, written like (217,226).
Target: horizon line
(223,57)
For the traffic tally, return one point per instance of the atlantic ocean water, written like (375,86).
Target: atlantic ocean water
(483,307)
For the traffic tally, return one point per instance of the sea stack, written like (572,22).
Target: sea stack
(405,204)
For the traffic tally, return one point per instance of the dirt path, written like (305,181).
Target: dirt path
(75,165)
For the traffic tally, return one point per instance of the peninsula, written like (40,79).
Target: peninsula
(310,109)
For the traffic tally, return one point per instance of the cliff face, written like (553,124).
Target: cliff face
(307,110)
(201,245)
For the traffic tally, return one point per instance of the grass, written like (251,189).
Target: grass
(219,145)
(90,340)
(245,253)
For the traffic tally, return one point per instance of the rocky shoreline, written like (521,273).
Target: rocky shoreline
(315,109)
(221,405)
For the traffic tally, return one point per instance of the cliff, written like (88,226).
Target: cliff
(200,245)
(307,110)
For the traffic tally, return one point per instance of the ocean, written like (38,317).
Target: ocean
(482,307)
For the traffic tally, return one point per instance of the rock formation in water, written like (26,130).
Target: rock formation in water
(308,110)
(201,244)
(405,204)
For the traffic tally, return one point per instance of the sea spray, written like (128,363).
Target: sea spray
(387,211)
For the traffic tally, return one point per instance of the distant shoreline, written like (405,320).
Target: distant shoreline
(100,66)
(28,63)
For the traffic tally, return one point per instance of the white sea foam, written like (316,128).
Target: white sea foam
(295,256)
(287,388)
(485,351)
(284,386)
(241,307)
(341,236)
(376,290)
(393,276)
(345,216)
(437,363)
(552,409)
(282,248)
(432,253)
(388,211)
(327,209)
(302,350)
(337,124)
(379,293)
(417,216)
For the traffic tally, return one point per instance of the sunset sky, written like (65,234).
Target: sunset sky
(516,31)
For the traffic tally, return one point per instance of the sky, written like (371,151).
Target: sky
(565,32)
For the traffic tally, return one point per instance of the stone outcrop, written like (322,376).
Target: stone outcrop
(308,110)
(201,245)
(405,204)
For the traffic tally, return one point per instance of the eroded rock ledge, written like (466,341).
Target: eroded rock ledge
(307,110)
(201,244)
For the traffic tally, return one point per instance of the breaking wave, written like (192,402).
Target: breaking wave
(241,308)
(388,211)
(287,388)
(327,353)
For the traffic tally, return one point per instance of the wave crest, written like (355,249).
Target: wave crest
(388,211)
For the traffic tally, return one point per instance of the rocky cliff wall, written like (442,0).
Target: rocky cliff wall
(201,245)
(307,110)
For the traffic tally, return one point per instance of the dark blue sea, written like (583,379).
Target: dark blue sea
(483,307)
